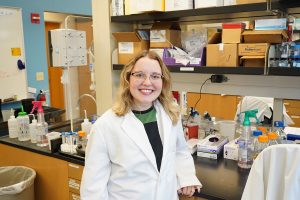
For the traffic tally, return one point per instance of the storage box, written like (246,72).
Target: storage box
(271,24)
(169,61)
(254,61)
(249,1)
(117,7)
(130,44)
(222,55)
(164,35)
(273,37)
(253,49)
(232,32)
(172,5)
(140,6)
(208,3)
(229,2)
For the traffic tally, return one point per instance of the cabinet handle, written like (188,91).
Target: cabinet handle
(74,166)
(286,104)
(295,117)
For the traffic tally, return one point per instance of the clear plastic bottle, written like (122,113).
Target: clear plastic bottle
(42,125)
(262,129)
(33,130)
(23,124)
(263,143)
(255,143)
(82,141)
(13,126)
(278,128)
(272,138)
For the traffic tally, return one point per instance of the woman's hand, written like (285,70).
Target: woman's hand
(189,190)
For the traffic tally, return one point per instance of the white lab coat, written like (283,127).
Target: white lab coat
(275,174)
(120,163)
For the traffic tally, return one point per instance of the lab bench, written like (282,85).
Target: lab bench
(221,179)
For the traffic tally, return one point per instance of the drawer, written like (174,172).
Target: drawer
(74,185)
(73,196)
(292,103)
(293,111)
(75,171)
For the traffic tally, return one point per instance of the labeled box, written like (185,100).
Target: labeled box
(172,5)
(209,3)
(222,55)
(271,36)
(231,150)
(253,49)
(232,32)
(165,35)
(141,6)
(130,44)
(271,24)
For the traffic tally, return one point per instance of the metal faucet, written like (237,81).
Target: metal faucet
(87,95)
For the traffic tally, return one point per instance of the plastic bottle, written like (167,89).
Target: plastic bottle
(263,143)
(86,124)
(42,126)
(82,141)
(272,138)
(13,125)
(33,129)
(262,129)
(255,144)
(23,124)
(278,128)
(245,158)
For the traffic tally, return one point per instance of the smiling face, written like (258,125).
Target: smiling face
(143,83)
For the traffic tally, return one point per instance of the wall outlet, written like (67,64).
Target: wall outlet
(40,76)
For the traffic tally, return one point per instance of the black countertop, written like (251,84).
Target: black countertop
(221,179)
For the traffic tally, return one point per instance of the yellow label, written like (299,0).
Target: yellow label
(16,51)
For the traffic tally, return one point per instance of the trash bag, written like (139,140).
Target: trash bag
(17,183)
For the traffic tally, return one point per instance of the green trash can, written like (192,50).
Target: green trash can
(17,183)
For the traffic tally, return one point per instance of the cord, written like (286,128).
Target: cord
(200,92)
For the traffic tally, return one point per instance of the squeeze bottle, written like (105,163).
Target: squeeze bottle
(23,124)
(33,129)
(245,157)
(13,125)
(86,124)
(41,126)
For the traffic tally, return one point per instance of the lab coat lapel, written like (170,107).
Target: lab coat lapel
(136,131)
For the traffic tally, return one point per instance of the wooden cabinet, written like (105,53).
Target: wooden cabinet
(293,110)
(74,178)
(219,106)
(51,173)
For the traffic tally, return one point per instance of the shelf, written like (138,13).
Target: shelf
(178,15)
(210,70)
(284,71)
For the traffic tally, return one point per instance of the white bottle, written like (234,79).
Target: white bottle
(33,130)
(86,124)
(13,125)
(23,121)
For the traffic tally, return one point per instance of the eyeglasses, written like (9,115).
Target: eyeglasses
(143,76)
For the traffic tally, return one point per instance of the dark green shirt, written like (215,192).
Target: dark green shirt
(148,118)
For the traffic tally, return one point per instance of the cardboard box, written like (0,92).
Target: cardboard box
(164,35)
(208,3)
(222,55)
(172,5)
(253,49)
(273,36)
(130,44)
(232,32)
(254,61)
(140,6)
(249,1)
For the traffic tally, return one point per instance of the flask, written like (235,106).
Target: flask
(272,138)
(278,128)
(255,144)
(245,158)
(33,129)
(42,126)
(13,125)
(86,124)
(23,124)
(263,143)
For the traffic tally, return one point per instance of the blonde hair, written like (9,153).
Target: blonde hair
(124,100)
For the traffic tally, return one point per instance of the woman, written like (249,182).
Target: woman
(137,149)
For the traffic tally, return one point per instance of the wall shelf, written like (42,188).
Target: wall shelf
(210,70)
(284,71)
